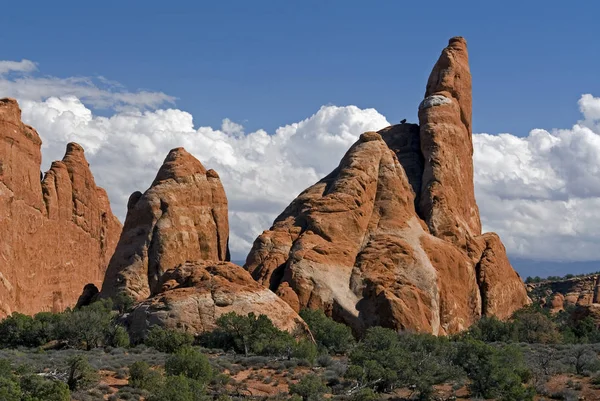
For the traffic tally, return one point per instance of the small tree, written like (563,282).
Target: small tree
(143,377)
(117,337)
(332,336)
(251,333)
(179,388)
(81,375)
(167,340)
(190,363)
(37,388)
(87,327)
(496,373)
(9,389)
(310,388)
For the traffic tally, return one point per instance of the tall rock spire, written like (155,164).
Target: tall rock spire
(447,199)
(392,237)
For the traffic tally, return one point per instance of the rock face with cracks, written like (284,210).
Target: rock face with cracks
(173,256)
(392,236)
(57,231)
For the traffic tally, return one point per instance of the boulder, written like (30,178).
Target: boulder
(58,231)
(194,294)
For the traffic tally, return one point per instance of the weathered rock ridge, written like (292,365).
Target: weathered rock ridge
(392,236)
(173,257)
(58,232)
(556,295)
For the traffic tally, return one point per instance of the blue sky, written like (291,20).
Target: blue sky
(268,64)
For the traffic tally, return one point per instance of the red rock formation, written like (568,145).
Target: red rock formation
(193,296)
(447,201)
(575,291)
(173,256)
(181,217)
(392,236)
(57,234)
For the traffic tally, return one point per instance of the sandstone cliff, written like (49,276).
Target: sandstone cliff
(559,294)
(392,236)
(173,256)
(56,233)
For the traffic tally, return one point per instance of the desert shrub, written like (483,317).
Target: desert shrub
(87,327)
(496,373)
(324,360)
(19,330)
(583,360)
(491,329)
(310,388)
(117,336)
(364,394)
(191,363)
(143,377)
(81,375)
(385,360)
(37,388)
(9,389)
(306,350)
(167,340)
(334,337)
(179,388)
(249,334)
(531,325)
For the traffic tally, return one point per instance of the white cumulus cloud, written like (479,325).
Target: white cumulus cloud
(540,192)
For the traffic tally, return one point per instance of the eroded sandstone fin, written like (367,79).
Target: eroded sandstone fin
(57,231)
(173,257)
(181,217)
(392,236)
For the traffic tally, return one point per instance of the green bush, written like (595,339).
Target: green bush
(143,377)
(88,327)
(385,360)
(364,394)
(334,337)
(9,389)
(191,363)
(496,373)
(310,388)
(180,388)
(36,388)
(81,375)
(167,340)
(117,337)
(306,350)
(249,334)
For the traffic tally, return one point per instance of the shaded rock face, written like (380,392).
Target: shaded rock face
(392,236)
(193,296)
(57,232)
(181,217)
(173,256)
